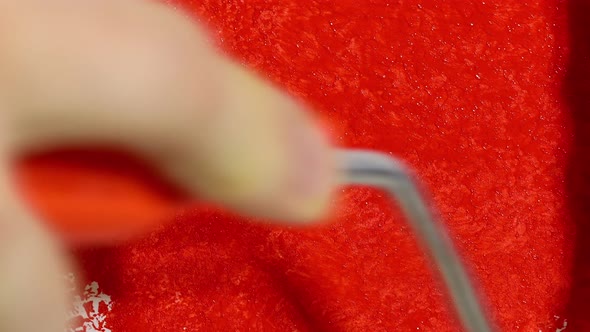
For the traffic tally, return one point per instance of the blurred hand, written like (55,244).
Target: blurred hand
(143,77)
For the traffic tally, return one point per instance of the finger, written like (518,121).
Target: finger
(140,75)
(32,287)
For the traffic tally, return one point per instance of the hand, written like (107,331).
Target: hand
(143,77)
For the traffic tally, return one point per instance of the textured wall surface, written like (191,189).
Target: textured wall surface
(486,99)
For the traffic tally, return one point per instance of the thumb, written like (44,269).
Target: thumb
(32,287)
(144,77)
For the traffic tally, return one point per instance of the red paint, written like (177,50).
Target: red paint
(471,94)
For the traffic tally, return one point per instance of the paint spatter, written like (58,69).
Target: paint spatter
(563,327)
(90,309)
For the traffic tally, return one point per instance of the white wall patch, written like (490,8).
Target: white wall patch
(90,310)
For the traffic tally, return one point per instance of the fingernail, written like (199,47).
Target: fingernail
(310,180)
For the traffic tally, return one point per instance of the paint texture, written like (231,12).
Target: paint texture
(488,100)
